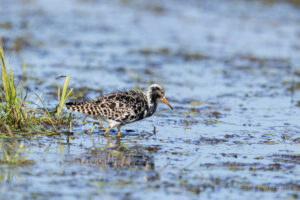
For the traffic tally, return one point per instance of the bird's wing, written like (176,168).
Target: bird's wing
(121,105)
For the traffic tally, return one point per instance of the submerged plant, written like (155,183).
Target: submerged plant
(13,153)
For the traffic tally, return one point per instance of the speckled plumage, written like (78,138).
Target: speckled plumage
(122,107)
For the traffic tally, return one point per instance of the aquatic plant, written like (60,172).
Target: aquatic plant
(13,152)
(12,107)
(15,111)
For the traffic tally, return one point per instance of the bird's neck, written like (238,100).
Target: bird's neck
(152,103)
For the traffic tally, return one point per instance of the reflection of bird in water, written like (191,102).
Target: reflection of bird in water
(123,107)
(117,154)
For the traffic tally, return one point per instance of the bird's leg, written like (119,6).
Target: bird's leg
(119,127)
(100,124)
(105,133)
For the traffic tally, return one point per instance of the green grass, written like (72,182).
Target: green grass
(12,107)
(18,114)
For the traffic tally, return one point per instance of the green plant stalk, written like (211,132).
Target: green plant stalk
(92,129)
(64,96)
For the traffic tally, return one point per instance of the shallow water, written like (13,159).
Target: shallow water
(229,69)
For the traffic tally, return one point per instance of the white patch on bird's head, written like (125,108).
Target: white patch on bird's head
(155,85)
(155,92)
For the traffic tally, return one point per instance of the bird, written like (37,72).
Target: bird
(122,107)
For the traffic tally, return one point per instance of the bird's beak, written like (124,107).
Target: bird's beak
(166,102)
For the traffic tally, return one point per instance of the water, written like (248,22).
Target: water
(227,67)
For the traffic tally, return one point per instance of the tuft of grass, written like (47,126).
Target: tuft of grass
(13,103)
(16,113)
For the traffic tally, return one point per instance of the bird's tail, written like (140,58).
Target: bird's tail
(83,107)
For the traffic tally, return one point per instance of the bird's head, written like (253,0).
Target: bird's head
(157,93)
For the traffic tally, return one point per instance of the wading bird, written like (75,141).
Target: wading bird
(122,107)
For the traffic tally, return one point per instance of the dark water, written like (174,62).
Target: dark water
(230,69)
